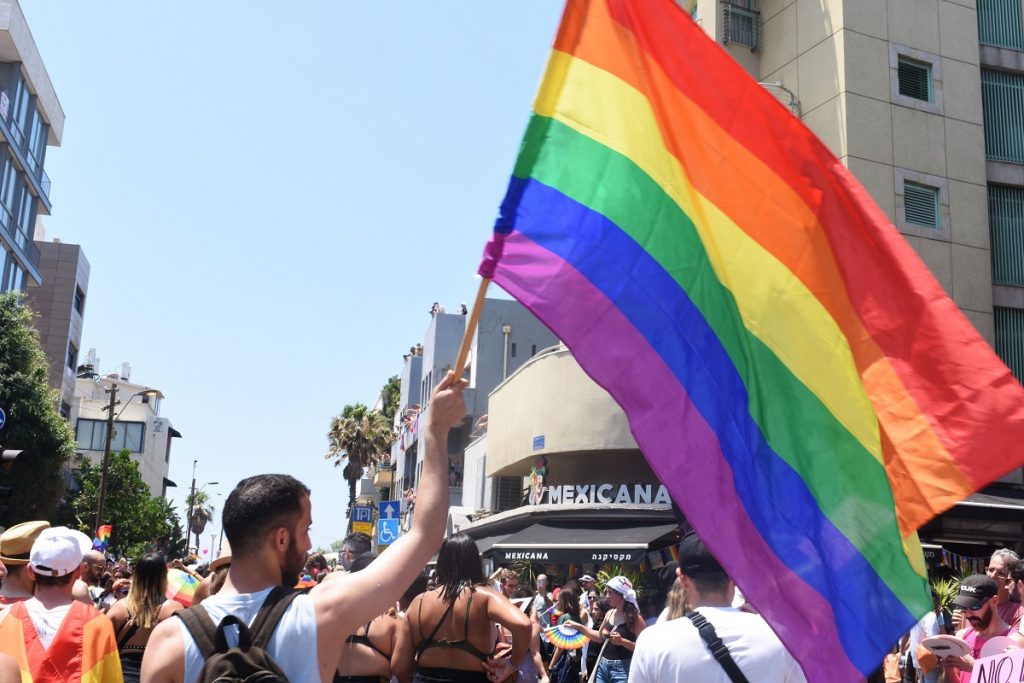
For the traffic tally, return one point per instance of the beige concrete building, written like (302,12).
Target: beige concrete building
(923,100)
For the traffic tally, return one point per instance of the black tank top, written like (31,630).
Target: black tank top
(620,652)
(462,644)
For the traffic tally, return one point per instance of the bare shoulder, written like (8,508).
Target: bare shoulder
(169,608)
(164,659)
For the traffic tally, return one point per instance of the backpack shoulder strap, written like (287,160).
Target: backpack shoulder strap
(718,649)
(270,614)
(201,627)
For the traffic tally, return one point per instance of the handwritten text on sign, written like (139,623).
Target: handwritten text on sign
(1001,668)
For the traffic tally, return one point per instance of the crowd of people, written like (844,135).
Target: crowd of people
(266,607)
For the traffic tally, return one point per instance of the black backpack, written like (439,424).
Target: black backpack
(247,662)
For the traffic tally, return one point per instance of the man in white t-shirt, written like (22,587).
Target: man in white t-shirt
(266,520)
(675,651)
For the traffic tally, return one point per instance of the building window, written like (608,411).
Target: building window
(65,410)
(1002,101)
(999,23)
(8,185)
(512,349)
(915,78)
(1009,323)
(79,301)
(91,435)
(741,23)
(1006,223)
(922,204)
(72,359)
(533,350)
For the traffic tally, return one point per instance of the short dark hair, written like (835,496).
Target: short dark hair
(1017,571)
(258,505)
(362,562)
(357,542)
(458,565)
(44,580)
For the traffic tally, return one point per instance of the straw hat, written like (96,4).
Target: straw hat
(16,542)
(224,557)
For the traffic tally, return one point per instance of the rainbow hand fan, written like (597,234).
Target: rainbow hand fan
(181,586)
(565,637)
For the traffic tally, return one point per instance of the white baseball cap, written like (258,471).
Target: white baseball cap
(58,551)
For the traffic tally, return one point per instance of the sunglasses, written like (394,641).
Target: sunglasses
(976,606)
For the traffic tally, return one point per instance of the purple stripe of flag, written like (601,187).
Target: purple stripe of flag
(619,359)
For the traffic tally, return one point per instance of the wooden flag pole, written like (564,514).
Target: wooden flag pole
(474,318)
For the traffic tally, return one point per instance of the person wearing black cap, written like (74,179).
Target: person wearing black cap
(677,651)
(978,597)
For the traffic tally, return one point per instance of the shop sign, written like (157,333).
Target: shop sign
(568,554)
(607,494)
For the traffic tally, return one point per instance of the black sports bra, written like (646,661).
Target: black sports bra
(464,645)
(364,639)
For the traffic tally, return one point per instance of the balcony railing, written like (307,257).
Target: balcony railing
(999,23)
(740,24)
(1002,99)
(1006,221)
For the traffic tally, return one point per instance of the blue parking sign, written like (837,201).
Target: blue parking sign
(387,531)
(362,514)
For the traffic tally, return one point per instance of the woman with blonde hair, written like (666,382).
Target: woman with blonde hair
(136,616)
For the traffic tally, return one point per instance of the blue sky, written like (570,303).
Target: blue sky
(271,196)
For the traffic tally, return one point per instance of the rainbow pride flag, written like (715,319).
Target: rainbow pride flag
(789,367)
(102,539)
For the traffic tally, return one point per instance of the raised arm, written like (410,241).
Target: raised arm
(341,606)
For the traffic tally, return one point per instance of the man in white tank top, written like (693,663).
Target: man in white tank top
(267,519)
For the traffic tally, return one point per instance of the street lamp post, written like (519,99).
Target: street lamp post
(108,438)
(192,505)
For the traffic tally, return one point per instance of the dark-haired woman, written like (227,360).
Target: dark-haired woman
(565,664)
(453,625)
(378,650)
(137,615)
(620,628)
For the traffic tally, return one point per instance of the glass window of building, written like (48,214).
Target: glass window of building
(79,301)
(20,109)
(91,435)
(72,358)
(26,206)
(8,183)
(37,143)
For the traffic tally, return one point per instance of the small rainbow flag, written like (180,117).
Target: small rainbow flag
(789,367)
(102,537)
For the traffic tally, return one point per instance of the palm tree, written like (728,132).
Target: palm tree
(202,512)
(358,437)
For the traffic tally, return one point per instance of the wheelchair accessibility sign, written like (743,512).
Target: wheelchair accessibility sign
(387,531)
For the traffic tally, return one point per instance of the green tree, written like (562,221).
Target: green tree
(33,425)
(358,437)
(390,395)
(202,512)
(141,523)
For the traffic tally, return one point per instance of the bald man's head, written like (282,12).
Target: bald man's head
(93,565)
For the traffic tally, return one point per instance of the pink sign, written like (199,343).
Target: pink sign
(1000,668)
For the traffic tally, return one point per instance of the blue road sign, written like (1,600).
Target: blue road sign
(3,418)
(387,531)
(361,514)
(389,509)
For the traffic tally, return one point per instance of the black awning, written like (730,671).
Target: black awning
(174,433)
(553,542)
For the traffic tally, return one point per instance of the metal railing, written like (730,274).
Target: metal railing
(1006,222)
(999,23)
(1009,324)
(740,23)
(1002,100)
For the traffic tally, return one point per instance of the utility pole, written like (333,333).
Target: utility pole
(106,455)
(191,504)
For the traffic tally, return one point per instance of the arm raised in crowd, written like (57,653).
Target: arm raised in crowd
(342,605)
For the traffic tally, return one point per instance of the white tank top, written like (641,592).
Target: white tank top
(293,645)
